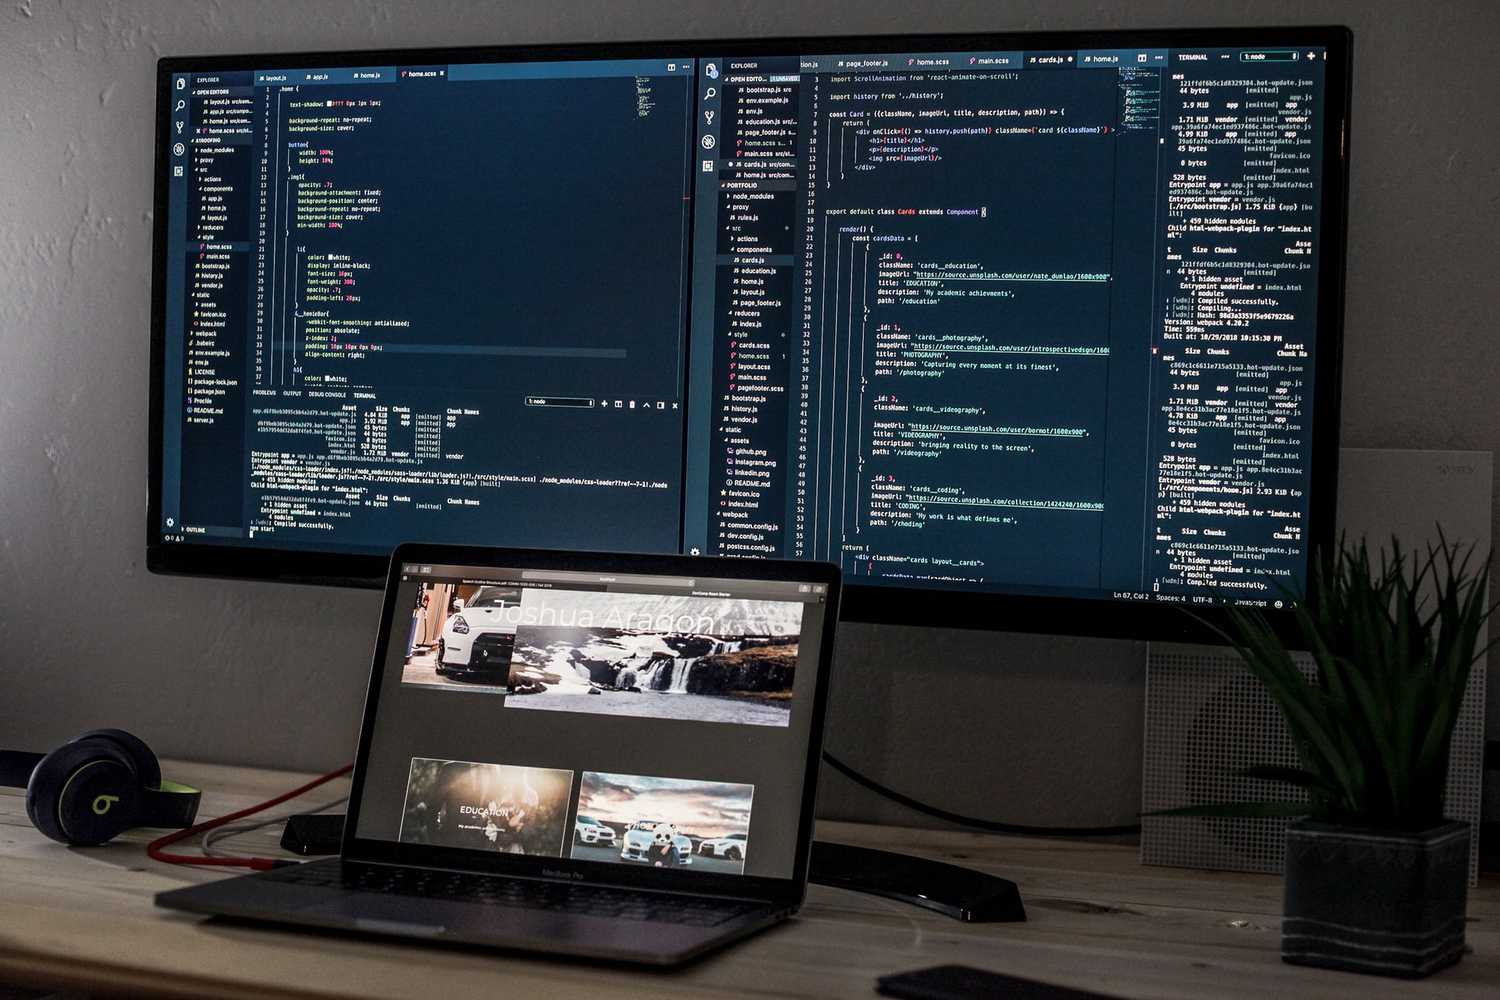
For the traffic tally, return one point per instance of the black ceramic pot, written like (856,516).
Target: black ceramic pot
(1385,902)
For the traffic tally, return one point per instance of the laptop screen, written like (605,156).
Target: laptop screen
(651,721)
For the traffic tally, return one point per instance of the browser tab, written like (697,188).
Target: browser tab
(1121,58)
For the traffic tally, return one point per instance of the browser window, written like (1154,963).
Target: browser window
(641,720)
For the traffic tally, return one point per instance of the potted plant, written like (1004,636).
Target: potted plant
(1376,875)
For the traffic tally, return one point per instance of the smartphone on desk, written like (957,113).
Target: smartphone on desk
(963,982)
(312,834)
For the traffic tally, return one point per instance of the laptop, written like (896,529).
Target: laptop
(600,755)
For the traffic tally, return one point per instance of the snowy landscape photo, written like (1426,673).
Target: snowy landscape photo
(684,823)
(656,656)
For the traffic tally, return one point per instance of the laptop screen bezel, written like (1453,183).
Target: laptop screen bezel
(792,886)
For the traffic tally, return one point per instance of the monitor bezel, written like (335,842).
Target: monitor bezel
(917,606)
(789,888)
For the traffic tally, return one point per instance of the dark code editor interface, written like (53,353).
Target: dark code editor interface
(1039,322)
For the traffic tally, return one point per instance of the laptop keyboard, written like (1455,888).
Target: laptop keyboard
(531,894)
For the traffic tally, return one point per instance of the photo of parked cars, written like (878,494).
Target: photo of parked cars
(462,637)
(663,822)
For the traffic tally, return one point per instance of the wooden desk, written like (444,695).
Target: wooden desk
(83,919)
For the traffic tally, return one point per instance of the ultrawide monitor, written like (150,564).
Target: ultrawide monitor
(1033,331)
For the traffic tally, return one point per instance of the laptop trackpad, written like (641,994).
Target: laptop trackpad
(415,917)
(385,915)
(405,928)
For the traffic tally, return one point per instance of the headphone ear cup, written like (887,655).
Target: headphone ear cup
(84,793)
(147,767)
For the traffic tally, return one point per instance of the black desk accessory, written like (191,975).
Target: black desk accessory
(313,833)
(960,893)
(963,982)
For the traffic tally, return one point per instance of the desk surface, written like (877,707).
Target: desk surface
(83,919)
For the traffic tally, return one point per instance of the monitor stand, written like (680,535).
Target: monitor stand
(961,893)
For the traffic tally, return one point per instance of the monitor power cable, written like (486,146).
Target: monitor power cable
(979,824)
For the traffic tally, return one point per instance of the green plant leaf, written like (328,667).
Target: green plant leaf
(1370,716)
(1393,635)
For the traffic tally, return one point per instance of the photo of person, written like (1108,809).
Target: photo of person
(461,637)
(681,823)
(486,807)
(656,656)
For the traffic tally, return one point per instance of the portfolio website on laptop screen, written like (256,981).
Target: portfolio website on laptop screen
(650,721)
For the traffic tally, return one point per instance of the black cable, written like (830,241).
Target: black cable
(981,824)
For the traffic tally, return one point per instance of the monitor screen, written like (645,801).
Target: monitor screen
(505,716)
(1042,317)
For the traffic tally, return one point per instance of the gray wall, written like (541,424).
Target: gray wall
(1046,731)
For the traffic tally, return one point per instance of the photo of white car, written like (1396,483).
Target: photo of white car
(645,833)
(685,823)
(479,637)
(731,847)
(587,830)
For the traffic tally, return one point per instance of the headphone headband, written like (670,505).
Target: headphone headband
(170,805)
(16,767)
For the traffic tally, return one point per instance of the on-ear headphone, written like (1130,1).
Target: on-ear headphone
(96,786)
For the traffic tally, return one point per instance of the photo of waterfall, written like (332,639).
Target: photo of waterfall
(671,657)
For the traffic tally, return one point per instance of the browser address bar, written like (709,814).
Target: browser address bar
(563,576)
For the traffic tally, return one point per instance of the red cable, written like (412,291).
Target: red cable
(155,852)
